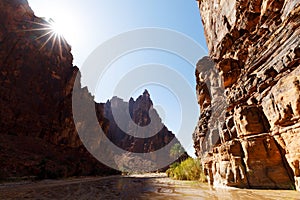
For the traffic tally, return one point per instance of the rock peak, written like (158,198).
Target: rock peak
(146,93)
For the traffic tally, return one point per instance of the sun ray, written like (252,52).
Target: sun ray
(53,42)
(45,43)
(59,46)
(50,31)
(44,35)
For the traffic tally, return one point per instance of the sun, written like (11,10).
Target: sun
(59,29)
(50,32)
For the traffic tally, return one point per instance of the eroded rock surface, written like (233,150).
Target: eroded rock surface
(38,136)
(255,47)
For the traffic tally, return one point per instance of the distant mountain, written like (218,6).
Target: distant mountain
(140,111)
(139,129)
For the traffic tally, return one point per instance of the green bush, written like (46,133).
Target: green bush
(190,169)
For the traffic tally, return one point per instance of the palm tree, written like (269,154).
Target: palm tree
(176,150)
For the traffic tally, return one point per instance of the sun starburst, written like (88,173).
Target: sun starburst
(49,32)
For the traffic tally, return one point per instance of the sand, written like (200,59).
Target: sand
(148,186)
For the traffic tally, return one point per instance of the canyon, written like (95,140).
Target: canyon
(248,134)
(254,46)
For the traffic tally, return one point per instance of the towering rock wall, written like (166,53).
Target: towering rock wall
(255,46)
(37,131)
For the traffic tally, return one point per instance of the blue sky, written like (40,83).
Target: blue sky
(86,24)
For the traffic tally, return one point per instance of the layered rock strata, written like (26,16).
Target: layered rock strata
(255,47)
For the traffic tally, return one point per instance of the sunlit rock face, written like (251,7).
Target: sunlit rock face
(255,47)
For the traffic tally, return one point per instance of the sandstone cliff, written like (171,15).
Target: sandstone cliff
(37,132)
(255,47)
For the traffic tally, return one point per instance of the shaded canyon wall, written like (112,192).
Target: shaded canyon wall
(38,136)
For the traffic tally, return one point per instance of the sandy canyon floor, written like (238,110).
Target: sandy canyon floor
(149,186)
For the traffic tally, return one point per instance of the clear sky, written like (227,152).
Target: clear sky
(86,24)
